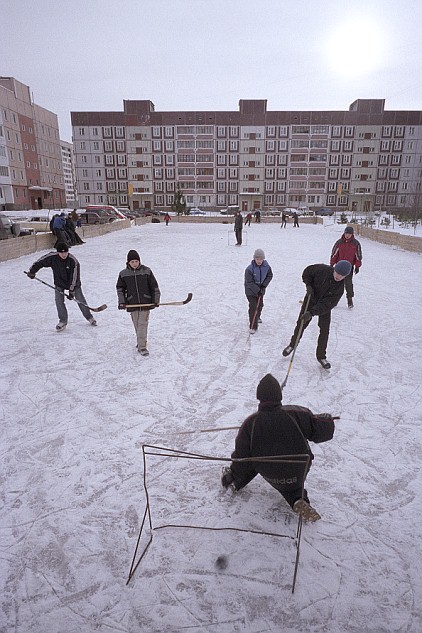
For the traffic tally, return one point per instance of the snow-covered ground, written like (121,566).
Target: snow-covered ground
(77,406)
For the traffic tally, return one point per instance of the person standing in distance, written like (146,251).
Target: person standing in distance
(349,248)
(66,275)
(136,284)
(324,288)
(295,220)
(238,226)
(257,277)
(276,430)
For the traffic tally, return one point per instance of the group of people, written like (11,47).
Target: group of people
(283,432)
(63,228)
(273,430)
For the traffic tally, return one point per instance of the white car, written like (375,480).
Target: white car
(196,211)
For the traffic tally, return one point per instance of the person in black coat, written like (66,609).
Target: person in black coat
(66,274)
(324,289)
(136,284)
(276,430)
(238,226)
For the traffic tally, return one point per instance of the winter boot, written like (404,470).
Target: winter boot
(143,351)
(306,510)
(60,326)
(324,362)
(252,331)
(349,302)
(92,321)
(287,350)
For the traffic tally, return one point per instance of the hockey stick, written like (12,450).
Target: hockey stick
(169,303)
(254,316)
(62,292)
(224,428)
(299,334)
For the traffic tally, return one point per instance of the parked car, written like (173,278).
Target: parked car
(324,211)
(143,213)
(93,217)
(105,210)
(231,210)
(8,228)
(196,211)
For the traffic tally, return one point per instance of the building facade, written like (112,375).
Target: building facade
(31,137)
(69,175)
(361,159)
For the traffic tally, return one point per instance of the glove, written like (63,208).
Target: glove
(227,479)
(121,306)
(261,290)
(307,316)
(309,290)
(324,417)
(31,275)
(356,270)
(71,295)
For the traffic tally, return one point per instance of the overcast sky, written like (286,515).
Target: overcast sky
(87,55)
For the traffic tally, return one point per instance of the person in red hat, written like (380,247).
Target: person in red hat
(348,248)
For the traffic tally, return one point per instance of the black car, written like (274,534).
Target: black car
(324,211)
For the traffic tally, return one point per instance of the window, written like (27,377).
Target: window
(347,146)
(349,130)
(108,146)
(85,186)
(221,146)
(319,129)
(168,131)
(300,129)
(270,146)
(169,146)
(234,146)
(234,131)
(107,133)
(156,132)
(81,131)
(271,131)
(156,146)
(99,186)
(283,130)
(94,131)
(120,146)
(221,131)
(120,132)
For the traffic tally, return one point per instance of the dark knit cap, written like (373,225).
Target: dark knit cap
(269,389)
(62,247)
(349,229)
(133,255)
(343,267)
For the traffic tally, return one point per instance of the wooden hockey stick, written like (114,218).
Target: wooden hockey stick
(99,309)
(169,303)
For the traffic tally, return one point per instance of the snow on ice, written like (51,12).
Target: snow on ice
(77,406)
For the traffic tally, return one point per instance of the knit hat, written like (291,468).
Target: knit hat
(62,247)
(133,255)
(269,390)
(349,229)
(343,267)
(259,253)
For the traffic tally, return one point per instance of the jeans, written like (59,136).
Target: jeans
(61,306)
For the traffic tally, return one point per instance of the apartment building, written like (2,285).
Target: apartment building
(69,175)
(30,136)
(363,158)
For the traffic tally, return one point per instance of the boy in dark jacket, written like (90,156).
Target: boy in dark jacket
(136,284)
(257,277)
(66,274)
(324,288)
(349,248)
(276,430)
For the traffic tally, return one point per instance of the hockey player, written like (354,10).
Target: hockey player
(136,284)
(66,274)
(257,277)
(349,248)
(324,288)
(276,430)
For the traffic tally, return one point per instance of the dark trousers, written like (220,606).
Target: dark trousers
(293,495)
(348,284)
(254,313)
(324,331)
(238,234)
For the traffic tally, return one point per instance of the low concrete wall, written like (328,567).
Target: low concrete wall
(406,242)
(27,244)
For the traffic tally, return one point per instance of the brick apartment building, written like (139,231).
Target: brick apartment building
(364,158)
(31,172)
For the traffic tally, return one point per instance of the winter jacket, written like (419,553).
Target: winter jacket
(347,249)
(257,278)
(278,430)
(238,223)
(137,286)
(59,223)
(66,272)
(327,292)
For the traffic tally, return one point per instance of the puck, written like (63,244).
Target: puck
(221,562)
